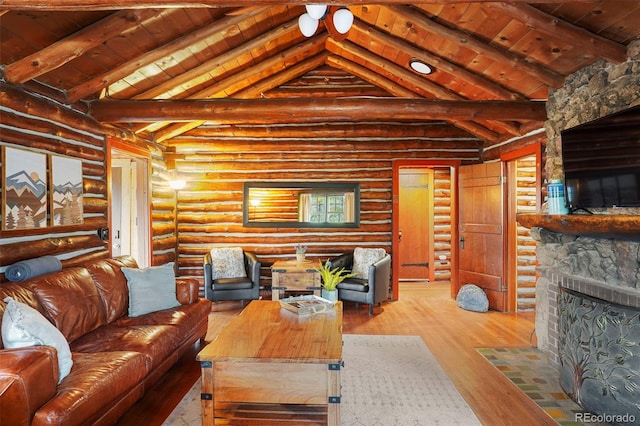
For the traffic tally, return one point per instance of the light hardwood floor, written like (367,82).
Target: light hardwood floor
(452,334)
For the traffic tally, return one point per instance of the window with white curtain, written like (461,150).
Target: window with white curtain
(324,207)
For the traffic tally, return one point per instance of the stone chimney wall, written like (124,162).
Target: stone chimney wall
(593,92)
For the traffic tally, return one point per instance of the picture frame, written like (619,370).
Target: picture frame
(66,193)
(24,189)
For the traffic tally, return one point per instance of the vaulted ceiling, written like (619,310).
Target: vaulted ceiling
(162,71)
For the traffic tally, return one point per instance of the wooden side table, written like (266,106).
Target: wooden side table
(291,275)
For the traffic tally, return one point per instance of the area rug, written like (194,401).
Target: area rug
(386,380)
(529,369)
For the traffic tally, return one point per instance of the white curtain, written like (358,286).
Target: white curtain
(304,208)
(349,207)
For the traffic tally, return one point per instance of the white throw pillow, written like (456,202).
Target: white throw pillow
(23,326)
(151,289)
(227,262)
(365,257)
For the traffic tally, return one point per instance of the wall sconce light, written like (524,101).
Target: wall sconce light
(341,20)
(175,181)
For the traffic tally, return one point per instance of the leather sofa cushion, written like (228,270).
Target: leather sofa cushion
(31,383)
(71,301)
(21,294)
(155,342)
(112,285)
(97,379)
(187,317)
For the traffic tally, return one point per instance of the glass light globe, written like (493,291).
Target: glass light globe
(342,20)
(316,11)
(307,24)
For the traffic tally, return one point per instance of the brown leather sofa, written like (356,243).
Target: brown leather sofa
(116,358)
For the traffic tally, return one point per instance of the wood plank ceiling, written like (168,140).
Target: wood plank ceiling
(164,71)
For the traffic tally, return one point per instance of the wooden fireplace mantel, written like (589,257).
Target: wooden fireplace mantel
(598,225)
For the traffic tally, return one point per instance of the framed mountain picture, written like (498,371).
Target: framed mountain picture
(24,189)
(66,191)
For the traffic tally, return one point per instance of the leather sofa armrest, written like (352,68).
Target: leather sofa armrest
(187,290)
(28,379)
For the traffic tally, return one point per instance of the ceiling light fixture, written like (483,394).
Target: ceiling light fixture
(340,20)
(420,66)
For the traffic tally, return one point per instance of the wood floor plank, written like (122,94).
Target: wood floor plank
(452,335)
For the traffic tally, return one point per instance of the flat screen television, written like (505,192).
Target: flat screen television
(601,161)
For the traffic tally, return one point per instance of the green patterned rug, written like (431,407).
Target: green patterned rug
(529,370)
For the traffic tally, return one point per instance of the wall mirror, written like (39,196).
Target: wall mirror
(301,205)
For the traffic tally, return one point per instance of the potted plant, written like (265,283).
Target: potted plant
(300,252)
(331,278)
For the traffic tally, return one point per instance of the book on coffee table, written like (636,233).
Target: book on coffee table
(305,305)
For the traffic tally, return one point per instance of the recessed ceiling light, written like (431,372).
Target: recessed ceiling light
(420,66)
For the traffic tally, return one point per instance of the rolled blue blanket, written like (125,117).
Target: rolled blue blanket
(26,269)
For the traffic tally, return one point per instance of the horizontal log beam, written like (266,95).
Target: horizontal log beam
(276,111)
(141,4)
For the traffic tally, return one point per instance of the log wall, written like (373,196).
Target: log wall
(216,162)
(526,200)
(34,123)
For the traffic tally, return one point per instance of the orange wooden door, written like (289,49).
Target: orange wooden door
(416,224)
(481,231)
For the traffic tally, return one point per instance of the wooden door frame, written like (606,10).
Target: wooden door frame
(395,222)
(429,172)
(510,219)
(138,152)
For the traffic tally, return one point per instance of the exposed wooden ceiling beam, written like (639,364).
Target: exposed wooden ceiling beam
(480,46)
(260,88)
(141,4)
(229,86)
(101,81)
(216,67)
(253,91)
(441,64)
(76,44)
(256,111)
(392,85)
(581,38)
(367,130)
(397,88)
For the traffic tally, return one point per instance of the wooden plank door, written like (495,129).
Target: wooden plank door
(416,224)
(481,231)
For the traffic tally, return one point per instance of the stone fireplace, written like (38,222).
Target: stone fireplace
(589,318)
(588,285)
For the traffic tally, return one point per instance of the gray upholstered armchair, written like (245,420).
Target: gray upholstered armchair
(225,281)
(371,290)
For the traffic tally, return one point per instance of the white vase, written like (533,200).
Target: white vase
(330,295)
(300,257)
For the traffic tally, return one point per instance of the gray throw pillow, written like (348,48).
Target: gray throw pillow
(23,326)
(151,289)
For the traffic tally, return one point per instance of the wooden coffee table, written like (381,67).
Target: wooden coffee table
(270,365)
(291,275)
